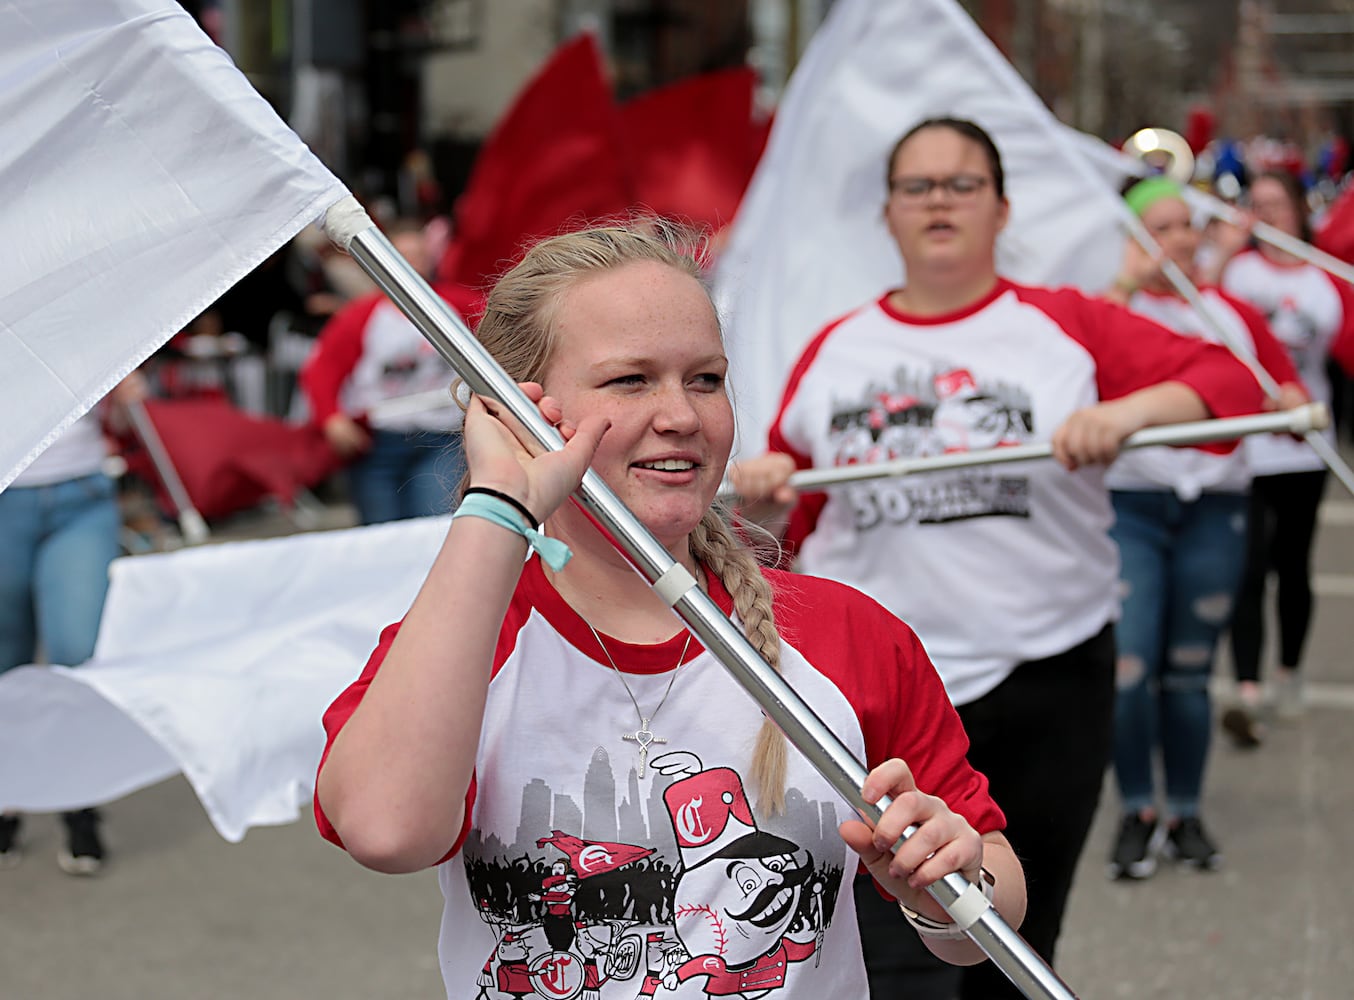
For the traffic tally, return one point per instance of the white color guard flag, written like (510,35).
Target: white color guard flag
(143,176)
(809,241)
(217,662)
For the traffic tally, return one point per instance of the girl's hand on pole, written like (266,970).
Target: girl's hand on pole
(763,484)
(943,843)
(1094,435)
(1291,396)
(345,435)
(1138,268)
(503,456)
(1230,238)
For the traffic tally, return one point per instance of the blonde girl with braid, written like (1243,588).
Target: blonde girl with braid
(608,813)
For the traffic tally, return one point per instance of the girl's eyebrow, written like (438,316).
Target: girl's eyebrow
(638,361)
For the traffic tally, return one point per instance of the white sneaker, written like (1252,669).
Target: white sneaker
(1289,702)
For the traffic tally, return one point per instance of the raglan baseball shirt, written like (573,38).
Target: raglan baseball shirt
(675,879)
(1190,471)
(1312,315)
(369,353)
(991,565)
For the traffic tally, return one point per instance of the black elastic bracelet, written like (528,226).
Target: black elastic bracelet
(516,505)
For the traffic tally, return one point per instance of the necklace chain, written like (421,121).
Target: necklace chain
(643,736)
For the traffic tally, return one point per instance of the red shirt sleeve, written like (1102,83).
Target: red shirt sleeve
(804,518)
(337,716)
(1342,347)
(879,664)
(1132,352)
(337,351)
(1271,354)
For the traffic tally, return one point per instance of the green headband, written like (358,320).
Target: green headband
(1146,193)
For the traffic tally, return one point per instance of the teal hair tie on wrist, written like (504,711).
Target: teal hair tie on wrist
(555,553)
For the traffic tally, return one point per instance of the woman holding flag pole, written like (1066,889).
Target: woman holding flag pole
(1180,524)
(1311,311)
(534,685)
(1009,577)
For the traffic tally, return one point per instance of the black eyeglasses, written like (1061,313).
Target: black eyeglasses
(957,186)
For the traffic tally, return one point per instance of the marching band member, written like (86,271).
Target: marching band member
(597,791)
(1009,576)
(1180,524)
(1312,314)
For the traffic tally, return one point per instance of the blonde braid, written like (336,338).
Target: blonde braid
(713,544)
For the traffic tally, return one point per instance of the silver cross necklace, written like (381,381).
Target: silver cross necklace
(643,736)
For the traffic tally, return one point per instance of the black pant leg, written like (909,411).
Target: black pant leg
(1247,630)
(1295,508)
(1043,738)
(899,966)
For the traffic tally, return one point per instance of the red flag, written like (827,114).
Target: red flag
(1336,235)
(590,857)
(230,461)
(694,145)
(1199,126)
(555,158)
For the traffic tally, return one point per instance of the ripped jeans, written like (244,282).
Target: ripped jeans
(1181,567)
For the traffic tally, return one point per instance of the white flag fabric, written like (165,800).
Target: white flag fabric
(809,241)
(217,662)
(143,176)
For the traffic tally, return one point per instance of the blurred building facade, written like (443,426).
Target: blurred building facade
(367,82)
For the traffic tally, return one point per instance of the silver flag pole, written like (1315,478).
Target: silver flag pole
(350,228)
(1274,236)
(191,524)
(1299,420)
(1186,288)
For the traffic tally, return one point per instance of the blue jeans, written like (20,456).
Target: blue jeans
(1181,565)
(56,543)
(406,475)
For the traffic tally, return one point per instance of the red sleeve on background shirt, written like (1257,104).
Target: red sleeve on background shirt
(804,518)
(1132,352)
(1342,347)
(1271,354)
(337,351)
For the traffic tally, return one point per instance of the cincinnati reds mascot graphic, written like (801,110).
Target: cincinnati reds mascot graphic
(739,889)
(720,909)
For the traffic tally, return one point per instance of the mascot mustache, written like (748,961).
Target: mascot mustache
(791,879)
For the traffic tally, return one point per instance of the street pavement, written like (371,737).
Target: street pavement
(180,913)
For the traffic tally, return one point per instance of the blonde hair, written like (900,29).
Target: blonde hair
(518,330)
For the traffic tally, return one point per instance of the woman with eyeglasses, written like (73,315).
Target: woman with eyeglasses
(1008,574)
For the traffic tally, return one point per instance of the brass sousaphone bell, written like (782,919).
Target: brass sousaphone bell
(1166,152)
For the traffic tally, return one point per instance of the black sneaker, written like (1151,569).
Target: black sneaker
(83,854)
(1135,850)
(1240,723)
(9,841)
(1188,844)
